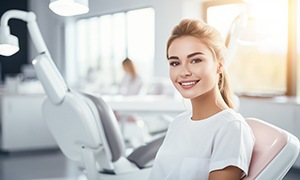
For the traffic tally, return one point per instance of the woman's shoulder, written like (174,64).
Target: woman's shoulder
(234,120)
(231,115)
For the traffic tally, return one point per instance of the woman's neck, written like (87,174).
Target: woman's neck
(207,105)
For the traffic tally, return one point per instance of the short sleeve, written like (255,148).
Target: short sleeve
(232,146)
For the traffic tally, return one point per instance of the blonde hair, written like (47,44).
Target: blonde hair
(128,62)
(210,37)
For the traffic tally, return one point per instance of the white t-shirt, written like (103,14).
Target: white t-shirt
(192,149)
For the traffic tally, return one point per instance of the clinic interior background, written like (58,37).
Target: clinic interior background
(88,49)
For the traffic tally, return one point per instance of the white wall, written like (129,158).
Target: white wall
(167,14)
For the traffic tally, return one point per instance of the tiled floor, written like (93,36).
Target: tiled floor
(51,164)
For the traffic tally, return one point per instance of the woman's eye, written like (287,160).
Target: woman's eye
(174,64)
(193,61)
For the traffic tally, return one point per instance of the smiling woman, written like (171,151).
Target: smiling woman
(205,142)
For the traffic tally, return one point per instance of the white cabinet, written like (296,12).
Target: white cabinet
(22,125)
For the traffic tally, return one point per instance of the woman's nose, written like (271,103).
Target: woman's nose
(185,72)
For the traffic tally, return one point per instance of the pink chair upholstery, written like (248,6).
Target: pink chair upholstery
(274,153)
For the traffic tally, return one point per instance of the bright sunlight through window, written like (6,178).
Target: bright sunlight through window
(259,68)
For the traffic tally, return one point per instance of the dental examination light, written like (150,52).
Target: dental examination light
(9,44)
(69,7)
(243,31)
(55,87)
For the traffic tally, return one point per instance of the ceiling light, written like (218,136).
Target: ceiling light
(69,7)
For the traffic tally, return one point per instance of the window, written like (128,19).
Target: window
(298,47)
(103,42)
(259,64)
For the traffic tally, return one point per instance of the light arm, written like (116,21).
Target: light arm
(47,72)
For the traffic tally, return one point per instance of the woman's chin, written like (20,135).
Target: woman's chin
(187,96)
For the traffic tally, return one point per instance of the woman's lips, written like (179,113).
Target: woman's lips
(188,84)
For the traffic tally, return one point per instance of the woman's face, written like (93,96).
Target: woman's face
(193,68)
(125,67)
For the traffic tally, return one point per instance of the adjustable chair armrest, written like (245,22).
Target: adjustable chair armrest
(146,153)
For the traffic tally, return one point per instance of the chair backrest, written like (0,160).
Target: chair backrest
(82,120)
(79,122)
(274,153)
(110,126)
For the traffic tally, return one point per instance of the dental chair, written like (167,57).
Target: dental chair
(274,153)
(87,132)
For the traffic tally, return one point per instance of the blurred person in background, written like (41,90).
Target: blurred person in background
(131,83)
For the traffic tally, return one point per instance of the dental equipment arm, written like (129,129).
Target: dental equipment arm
(50,77)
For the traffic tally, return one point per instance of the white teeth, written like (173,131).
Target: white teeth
(188,83)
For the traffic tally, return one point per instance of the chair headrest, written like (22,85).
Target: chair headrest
(110,126)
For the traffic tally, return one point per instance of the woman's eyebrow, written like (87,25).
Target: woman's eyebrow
(188,56)
(194,54)
(173,57)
